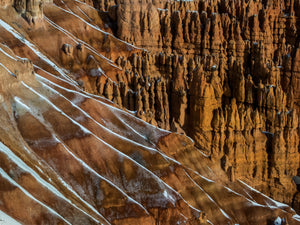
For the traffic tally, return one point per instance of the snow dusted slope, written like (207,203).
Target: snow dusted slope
(68,157)
(7,220)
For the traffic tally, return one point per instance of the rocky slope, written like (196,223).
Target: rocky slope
(223,72)
(76,158)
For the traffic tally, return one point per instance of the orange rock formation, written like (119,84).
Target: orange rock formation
(222,72)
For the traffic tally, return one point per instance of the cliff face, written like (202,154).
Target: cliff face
(223,72)
(30,9)
(216,72)
(74,158)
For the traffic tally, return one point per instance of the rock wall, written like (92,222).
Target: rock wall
(29,9)
(226,73)
(5,3)
(88,162)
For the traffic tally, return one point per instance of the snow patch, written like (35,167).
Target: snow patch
(7,220)
(279,221)
(169,197)
(296,217)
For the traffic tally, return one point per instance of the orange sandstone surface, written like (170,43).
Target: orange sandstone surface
(72,150)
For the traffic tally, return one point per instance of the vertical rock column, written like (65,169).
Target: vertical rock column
(30,9)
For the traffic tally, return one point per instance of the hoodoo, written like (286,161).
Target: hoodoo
(149,112)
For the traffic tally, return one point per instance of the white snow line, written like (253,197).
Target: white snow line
(108,145)
(209,222)
(250,197)
(7,220)
(205,178)
(18,100)
(87,45)
(84,14)
(89,132)
(278,204)
(296,217)
(77,40)
(61,29)
(210,198)
(90,117)
(97,28)
(8,70)
(242,196)
(40,180)
(65,4)
(167,158)
(63,182)
(8,55)
(17,35)
(122,137)
(149,148)
(107,105)
(14,125)
(84,164)
(96,97)
(73,84)
(234,192)
(9,179)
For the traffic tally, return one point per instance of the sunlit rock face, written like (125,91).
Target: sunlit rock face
(223,72)
(30,9)
(72,150)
